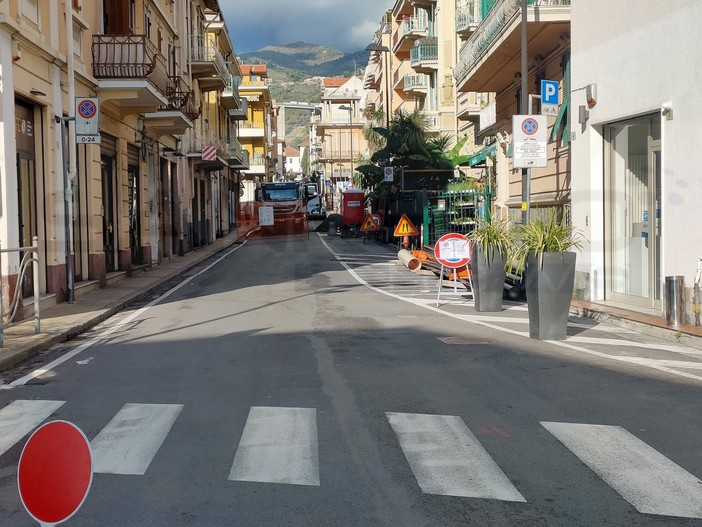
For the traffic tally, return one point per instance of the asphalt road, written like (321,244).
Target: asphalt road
(273,388)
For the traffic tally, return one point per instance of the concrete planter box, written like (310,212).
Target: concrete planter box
(549,289)
(488,280)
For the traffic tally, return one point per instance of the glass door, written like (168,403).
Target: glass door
(633,222)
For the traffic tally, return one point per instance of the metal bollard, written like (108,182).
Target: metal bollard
(675,300)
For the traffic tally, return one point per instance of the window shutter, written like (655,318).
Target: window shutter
(117,17)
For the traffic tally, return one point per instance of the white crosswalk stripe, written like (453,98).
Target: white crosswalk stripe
(21,417)
(278,445)
(643,476)
(129,442)
(448,459)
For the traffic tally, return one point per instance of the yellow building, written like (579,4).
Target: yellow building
(256,132)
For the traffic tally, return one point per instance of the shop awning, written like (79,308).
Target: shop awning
(478,159)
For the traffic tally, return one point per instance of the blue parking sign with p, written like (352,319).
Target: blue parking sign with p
(549,92)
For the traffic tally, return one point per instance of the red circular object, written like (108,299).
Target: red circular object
(55,472)
(87,109)
(449,260)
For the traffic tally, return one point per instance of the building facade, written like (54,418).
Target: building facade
(637,125)
(159,79)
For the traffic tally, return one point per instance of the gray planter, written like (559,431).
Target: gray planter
(549,290)
(488,280)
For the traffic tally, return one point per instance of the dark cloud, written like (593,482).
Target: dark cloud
(347,25)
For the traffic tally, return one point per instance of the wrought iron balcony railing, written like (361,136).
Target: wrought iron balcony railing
(204,49)
(129,57)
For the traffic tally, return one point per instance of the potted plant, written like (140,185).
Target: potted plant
(491,242)
(542,251)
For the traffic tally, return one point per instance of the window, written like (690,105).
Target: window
(77,40)
(76,5)
(30,10)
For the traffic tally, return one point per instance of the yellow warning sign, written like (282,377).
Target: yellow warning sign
(405,227)
(369,224)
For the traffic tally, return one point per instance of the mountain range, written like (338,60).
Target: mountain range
(294,71)
(300,60)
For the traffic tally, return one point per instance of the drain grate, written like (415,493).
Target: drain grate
(453,341)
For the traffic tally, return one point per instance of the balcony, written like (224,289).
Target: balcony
(257,164)
(193,151)
(230,95)
(416,84)
(208,65)
(133,75)
(424,55)
(235,152)
(178,115)
(468,18)
(469,105)
(243,164)
(241,113)
(252,129)
(409,30)
(488,59)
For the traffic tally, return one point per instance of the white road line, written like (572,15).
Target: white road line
(643,476)
(447,459)
(430,305)
(278,445)
(20,417)
(129,442)
(632,343)
(41,371)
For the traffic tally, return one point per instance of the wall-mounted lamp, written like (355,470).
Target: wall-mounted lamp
(37,93)
(591,95)
(667,111)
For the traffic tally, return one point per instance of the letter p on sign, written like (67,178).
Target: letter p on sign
(549,92)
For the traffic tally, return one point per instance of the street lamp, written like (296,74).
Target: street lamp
(350,110)
(386,52)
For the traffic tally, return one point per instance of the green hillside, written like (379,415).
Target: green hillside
(295,71)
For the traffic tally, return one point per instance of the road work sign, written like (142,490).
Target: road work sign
(369,224)
(405,227)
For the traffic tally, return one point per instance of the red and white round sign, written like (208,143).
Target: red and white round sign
(452,250)
(55,472)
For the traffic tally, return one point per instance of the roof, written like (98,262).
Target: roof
(254,69)
(291,152)
(334,82)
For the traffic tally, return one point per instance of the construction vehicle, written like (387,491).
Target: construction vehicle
(288,200)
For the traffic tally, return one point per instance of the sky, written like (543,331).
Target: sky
(346,25)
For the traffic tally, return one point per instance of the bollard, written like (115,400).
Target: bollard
(675,300)
(331,229)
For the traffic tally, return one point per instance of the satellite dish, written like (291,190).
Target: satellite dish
(237,81)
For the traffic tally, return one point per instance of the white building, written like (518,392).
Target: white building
(636,125)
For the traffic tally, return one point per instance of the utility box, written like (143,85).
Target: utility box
(352,206)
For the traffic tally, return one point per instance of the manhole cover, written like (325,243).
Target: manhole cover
(464,340)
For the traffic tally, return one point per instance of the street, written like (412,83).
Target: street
(315,382)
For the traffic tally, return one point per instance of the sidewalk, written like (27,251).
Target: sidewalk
(64,321)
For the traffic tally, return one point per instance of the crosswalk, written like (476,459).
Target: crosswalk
(280,445)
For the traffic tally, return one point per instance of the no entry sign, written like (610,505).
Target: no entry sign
(55,472)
